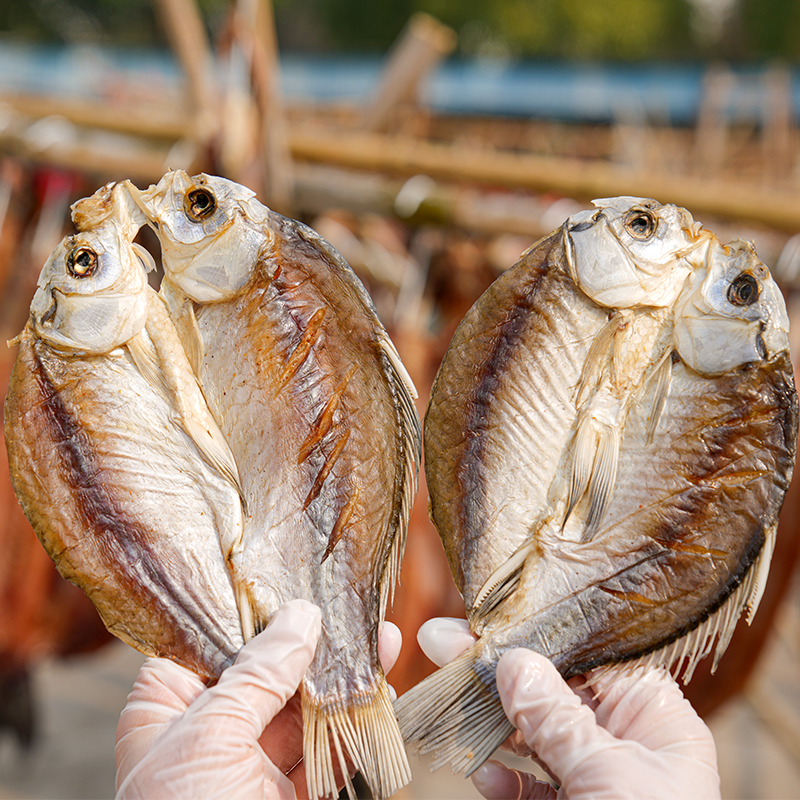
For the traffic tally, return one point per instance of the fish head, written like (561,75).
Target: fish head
(730,312)
(632,251)
(91,291)
(212,233)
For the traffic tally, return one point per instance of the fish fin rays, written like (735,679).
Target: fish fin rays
(710,637)
(410,453)
(663,381)
(501,583)
(366,733)
(759,572)
(597,360)
(213,446)
(185,396)
(182,313)
(595,461)
(204,432)
(146,359)
(603,480)
(584,450)
(469,723)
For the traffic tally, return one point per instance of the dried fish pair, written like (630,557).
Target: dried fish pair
(193,460)
(608,443)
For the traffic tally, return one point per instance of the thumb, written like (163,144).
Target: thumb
(266,673)
(556,725)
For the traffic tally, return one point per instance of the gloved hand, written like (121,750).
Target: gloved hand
(241,738)
(630,735)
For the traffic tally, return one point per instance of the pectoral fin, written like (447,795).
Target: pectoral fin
(604,477)
(501,583)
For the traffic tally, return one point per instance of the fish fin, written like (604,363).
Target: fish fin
(501,583)
(366,733)
(713,635)
(145,358)
(186,397)
(410,435)
(584,450)
(189,334)
(182,313)
(760,571)
(596,360)
(603,480)
(213,445)
(663,379)
(456,713)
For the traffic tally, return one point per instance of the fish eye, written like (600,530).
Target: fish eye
(743,291)
(81,262)
(199,204)
(640,224)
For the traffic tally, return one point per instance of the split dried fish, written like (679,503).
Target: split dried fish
(608,443)
(318,411)
(114,455)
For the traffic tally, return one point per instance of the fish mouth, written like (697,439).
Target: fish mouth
(142,202)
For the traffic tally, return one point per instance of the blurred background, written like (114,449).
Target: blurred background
(431,141)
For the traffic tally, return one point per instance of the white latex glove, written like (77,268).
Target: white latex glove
(241,738)
(630,735)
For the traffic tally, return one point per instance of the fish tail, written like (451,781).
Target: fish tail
(364,732)
(455,713)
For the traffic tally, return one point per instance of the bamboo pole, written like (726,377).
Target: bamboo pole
(423,44)
(571,177)
(186,33)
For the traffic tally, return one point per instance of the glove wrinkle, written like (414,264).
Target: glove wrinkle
(179,739)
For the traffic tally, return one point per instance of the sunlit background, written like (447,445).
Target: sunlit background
(431,143)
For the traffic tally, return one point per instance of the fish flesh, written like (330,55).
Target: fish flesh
(113,453)
(608,443)
(319,414)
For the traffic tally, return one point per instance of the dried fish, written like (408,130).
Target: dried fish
(608,443)
(318,411)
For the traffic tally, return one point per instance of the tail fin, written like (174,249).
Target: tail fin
(457,713)
(366,733)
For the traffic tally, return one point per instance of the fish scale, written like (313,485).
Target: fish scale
(640,526)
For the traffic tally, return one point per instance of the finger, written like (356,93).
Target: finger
(444,638)
(556,725)
(630,700)
(266,673)
(390,640)
(495,781)
(161,694)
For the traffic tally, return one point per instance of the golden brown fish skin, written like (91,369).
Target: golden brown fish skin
(693,549)
(297,384)
(66,433)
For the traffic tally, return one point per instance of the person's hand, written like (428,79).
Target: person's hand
(630,735)
(241,738)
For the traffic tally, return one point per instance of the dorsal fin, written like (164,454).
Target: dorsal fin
(410,434)
(712,635)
